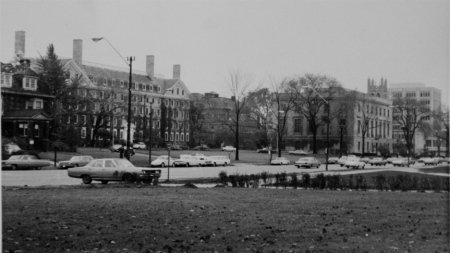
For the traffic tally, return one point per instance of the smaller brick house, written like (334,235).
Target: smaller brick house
(23,108)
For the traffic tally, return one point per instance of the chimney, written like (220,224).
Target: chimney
(19,44)
(150,66)
(176,71)
(78,52)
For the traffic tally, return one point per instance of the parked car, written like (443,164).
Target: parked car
(298,152)
(202,147)
(365,159)
(354,162)
(25,162)
(217,160)
(430,161)
(75,161)
(184,147)
(333,160)
(117,147)
(420,160)
(11,149)
(280,161)
(229,148)
(162,161)
(106,170)
(265,150)
(188,160)
(402,161)
(139,145)
(342,160)
(391,159)
(175,147)
(377,161)
(307,162)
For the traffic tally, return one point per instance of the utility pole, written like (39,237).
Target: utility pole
(131,59)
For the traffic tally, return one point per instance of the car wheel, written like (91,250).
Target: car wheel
(86,179)
(38,168)
(348,167)
(187,165)
(13,167)
(104,181)
(342,165)
(214,164)
(225,164)
(129,178)
(318,165)
(162,165)
(75,165)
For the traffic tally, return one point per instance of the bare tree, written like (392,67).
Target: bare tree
(425,128)
(409,113)
(261,107)
(238,85)
(442,116)
(313,100)
(104,107)
(345,104)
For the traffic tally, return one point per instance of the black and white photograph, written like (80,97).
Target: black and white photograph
(225,126)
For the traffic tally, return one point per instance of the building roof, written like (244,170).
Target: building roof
(25,93)
(115,74)
(26,114)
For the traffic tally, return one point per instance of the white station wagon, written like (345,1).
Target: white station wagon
(217,160)
(188,160)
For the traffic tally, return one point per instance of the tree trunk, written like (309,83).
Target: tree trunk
(237,140)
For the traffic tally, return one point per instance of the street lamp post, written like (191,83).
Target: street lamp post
(131,59)
(150,135)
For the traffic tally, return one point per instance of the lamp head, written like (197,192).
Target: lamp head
(97,39)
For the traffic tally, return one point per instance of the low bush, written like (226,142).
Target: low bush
(294,180)
(223,177)
(306,180)
(380,182)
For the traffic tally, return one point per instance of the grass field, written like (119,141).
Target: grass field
(129,218)
(440,169)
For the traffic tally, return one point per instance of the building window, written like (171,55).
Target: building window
(187,137)
(182,137)
(410,94)
(23,129)
(182,92)
(83,132)
(36,130)
(176,137)
(29,83)
(397,94)
(424,94)
(298,126)
(6,80)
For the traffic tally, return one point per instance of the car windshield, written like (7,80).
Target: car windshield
(15,157)
(123,163)
(163,157)
(304,159)
(76,158)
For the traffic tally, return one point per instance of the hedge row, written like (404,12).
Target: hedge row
(402,182)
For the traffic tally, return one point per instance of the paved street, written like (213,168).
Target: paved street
(59,177)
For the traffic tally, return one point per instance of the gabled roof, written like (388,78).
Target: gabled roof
(26,114)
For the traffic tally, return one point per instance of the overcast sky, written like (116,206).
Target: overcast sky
(403,41)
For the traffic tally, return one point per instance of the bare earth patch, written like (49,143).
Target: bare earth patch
(129,218)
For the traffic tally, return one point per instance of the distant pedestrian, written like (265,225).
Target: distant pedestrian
(121,150)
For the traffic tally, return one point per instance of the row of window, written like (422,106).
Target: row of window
(136,98)
(374,110)
(178,136)
(28,83)
(375,129)
(155,123)
(410,94)
(373,147)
